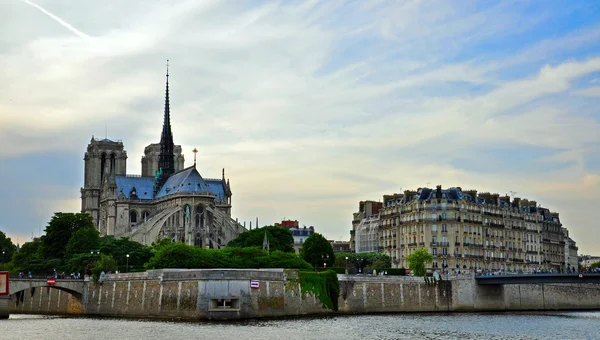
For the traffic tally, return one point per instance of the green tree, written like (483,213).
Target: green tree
(59,231)
(417,261)
(119,248)
(83,241)
(106,264)
(7,248)
(279,239)
(316,250)
(595,265)
(362,260)
(28,258)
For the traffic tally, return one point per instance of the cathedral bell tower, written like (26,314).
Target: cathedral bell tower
(103,157)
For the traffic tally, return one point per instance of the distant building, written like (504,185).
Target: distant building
(340,246)
(571,258)
(462,230)
(585,261)
(365,227)
(287,224)
(300,234)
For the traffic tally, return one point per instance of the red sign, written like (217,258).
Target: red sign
(50,281)
(254,284)
(4,285)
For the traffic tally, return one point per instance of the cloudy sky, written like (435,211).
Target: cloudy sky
(310,106)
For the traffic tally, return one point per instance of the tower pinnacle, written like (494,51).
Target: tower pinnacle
(166,160)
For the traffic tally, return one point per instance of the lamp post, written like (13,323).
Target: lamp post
(346,265)
(127,256)
(325,258)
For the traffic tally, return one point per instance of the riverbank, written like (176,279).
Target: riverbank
(229,294)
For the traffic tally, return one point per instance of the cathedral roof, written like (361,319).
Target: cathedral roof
(216,187)
(144,186)
(186,180)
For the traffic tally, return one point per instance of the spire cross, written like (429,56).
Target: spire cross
(195,151)
(167,67)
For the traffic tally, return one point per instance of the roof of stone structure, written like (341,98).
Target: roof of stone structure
(143,186)
(186,180)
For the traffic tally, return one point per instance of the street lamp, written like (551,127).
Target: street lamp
(127,256)
(346,264)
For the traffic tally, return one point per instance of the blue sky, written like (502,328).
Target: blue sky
(310,106)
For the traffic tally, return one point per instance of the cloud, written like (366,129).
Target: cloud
(310,106)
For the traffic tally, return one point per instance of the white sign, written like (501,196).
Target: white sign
(254,284)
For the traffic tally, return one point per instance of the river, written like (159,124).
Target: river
(545,325)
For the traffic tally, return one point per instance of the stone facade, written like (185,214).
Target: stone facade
(227,294)
(462,230)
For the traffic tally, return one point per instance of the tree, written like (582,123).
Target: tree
(106,264)
(119,248)
(361,260)
(595,265)
(279,239)
(59,231)
(83,241)
(316,250)
(7,248)
(28,258)
(418,260)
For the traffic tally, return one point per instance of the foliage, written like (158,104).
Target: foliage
(595,265)
(324,286)
(59,231)
(7,248)
(82,242)
(118,248)
(279,239)
(106,264)
(28,258)
(360,260)
(180,255)
(317,250)
(80,263)
(377,265)
(418,260)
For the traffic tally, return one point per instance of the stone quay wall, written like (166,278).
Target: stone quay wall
(226,294)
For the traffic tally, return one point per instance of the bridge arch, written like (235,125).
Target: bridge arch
(73,287)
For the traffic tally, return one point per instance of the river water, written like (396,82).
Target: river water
(555,325)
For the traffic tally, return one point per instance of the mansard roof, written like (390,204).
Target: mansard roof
(144,186)
(186,180)
(216,186)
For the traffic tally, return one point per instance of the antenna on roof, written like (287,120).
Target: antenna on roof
(105,130)
(427,184)
(512,194)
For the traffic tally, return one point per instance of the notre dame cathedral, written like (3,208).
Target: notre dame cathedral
(166,201)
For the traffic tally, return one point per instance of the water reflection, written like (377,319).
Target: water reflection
(554,325)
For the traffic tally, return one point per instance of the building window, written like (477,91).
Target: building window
(433,206)
(434,251)
(444,228)
(444,206)
(434,228)
(444,251)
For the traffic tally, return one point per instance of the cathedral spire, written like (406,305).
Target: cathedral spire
(166,160)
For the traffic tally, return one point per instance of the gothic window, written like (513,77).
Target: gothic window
(199,217)
(133,217)
(145,215)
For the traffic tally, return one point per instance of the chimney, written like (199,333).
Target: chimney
(525,202)
(472,193)
(406,195)
(516,202)
(506,199)
(532,203)
(438,192)
(495,199)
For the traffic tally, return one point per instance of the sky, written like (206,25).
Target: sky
(310,106)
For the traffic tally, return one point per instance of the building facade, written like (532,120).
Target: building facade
(300,234)
(463,230)
(167,200)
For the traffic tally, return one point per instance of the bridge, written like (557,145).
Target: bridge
(71,286)
(508,279)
